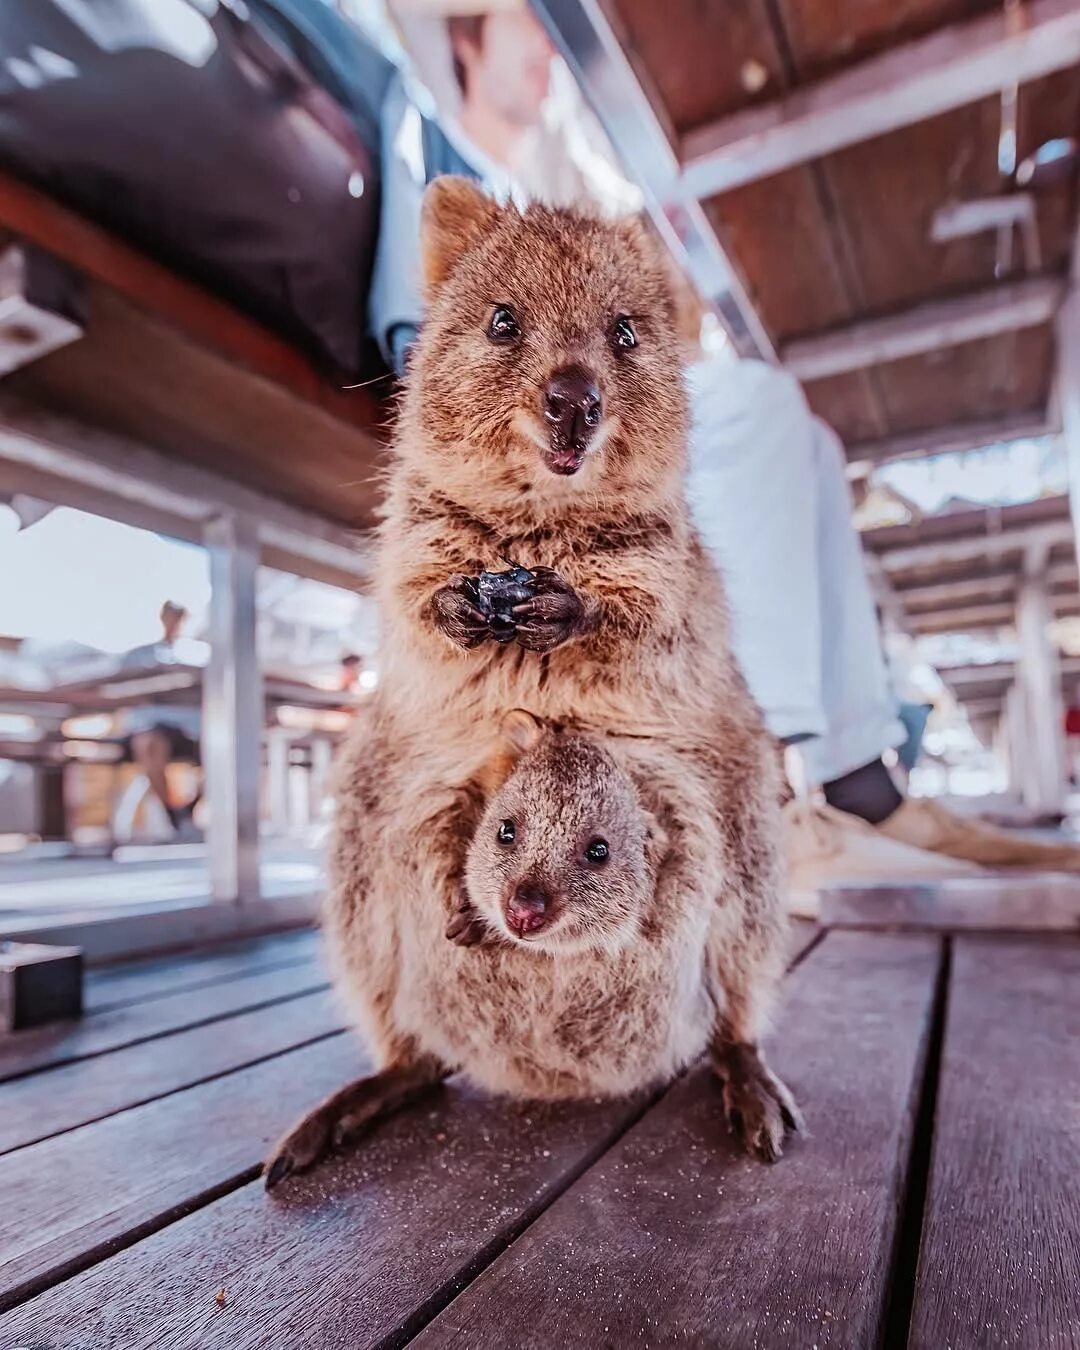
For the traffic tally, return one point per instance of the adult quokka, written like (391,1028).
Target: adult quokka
(544,419)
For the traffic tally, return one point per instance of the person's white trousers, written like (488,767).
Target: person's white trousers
(770,495)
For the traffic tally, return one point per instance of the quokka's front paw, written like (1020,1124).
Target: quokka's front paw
(457,615)
(758,1107)
(466,928)
(554,615)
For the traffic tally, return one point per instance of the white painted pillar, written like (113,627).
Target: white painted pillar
(1038,675)
(1015,726)
(277,771)
(322,756)
(1067,384)
(1000,742)
(233,711)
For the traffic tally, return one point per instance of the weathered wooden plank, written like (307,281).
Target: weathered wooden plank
(675,1238)
(353,1256)
(68,1198)
(1018,903)
(32,1050)
(1001,1236)
(40,1105)
(136,981)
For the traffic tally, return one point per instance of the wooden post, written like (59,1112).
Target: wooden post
(1067,385)
(1038,677)
(232,711)
(278,746)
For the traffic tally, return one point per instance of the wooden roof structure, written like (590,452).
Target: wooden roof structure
(164,363)
(841,183)
(818,143)
(832,174)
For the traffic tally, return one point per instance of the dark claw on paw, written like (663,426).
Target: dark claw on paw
(278,1170)
(759,1109)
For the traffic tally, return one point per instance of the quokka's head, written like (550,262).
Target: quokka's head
(549,367)
(565,856)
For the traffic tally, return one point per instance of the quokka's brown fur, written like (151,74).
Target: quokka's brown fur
(646,667)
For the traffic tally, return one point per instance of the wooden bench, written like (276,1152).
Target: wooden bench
(933,1204)
(163,362)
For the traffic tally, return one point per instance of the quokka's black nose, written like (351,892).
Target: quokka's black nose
(572,407)
(527,909)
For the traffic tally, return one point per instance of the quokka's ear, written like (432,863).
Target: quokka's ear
(687,309)
(521,730)
(455,216)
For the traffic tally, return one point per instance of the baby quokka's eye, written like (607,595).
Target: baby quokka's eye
(503,325)
(506,833)
(623,334)
(598,851)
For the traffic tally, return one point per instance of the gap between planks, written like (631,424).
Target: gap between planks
(63,1258)
(369,1205)
(143,981)
(102,1033)
(42,1105)
(675,1237)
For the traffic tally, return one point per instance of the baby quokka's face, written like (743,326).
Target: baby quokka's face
(559,861)
(549,360)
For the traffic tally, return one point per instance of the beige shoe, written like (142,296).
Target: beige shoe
(825,847)
(928,825)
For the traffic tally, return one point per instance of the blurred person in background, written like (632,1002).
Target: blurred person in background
(157,735)
(767,481)
(769,490)
(352,667)
(492,76)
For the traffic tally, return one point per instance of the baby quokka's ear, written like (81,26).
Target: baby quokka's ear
(455,216)
(519,731)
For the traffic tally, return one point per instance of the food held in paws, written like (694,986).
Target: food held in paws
(496,595)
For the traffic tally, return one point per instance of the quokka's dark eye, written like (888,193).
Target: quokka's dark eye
(506,833)
(623,334)
(598,851)
(504,326)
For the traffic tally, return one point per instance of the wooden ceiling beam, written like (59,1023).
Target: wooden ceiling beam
(925,328)
(987,614)
(947,69)
(956,438)
(74,464)
(993,673)
(942,594)
(963,620)
(983,706)
(942,552)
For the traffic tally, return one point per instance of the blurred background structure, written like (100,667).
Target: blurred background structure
(882,199)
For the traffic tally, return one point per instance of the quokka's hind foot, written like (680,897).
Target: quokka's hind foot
(346,1114)
(758,1107)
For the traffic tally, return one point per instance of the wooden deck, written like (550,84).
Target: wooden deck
(934,1204)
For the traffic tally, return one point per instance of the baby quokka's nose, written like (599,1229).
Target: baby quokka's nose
(527,909)
(572,407)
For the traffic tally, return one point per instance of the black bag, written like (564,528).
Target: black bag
(237,143)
